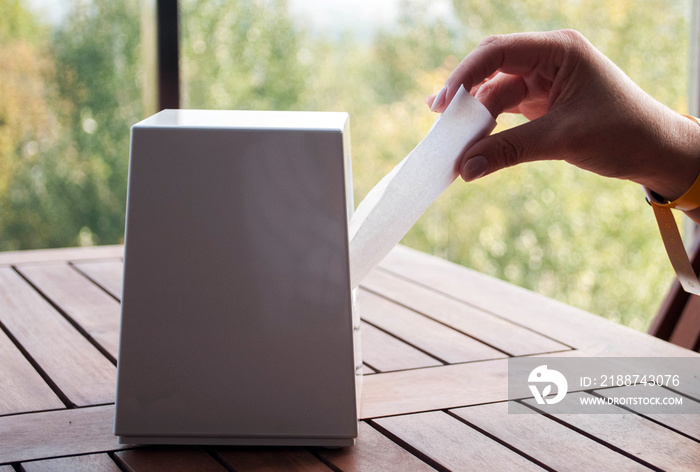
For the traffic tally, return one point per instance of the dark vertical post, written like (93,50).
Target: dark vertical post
(161,51)
(168,55)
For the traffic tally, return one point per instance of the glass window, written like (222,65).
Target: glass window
(547,226)
(70,87)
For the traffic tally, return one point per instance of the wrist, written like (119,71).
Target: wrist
(677,165)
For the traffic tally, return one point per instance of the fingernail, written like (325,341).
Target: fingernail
(475,168)
(439,98)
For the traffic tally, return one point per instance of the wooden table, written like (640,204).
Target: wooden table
(436,338)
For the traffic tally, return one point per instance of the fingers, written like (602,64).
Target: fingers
(516,73)
(434,101)
(502,93)
(528,142)
(516,54)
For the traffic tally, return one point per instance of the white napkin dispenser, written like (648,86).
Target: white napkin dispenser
(238,322)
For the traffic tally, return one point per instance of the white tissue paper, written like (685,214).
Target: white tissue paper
(392,207)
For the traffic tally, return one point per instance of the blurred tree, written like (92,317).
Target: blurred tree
(96,52)
(648,39)
(18,23)
(26,121)
(241,55)
(68,107)
(418,42)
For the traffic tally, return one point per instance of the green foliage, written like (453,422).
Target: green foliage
(96,52)
(68,168)
(400,54)
(18,23)
(67,100)
(648,39)
(241,55)
(25,119)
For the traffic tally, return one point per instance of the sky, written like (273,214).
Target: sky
(51,10)
(335,16)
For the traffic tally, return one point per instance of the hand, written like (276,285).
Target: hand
(582,107)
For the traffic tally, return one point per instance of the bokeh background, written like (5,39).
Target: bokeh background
(71,75)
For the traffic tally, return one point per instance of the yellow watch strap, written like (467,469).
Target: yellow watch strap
(673,243)
(675,250)
(690,200)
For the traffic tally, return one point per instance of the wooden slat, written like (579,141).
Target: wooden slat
(435,388)
(688,424)
(49,434)
(544,439)
(502,334)
(386,353)
(62,254)
(109,274)
(439,388)
(168,460)
(21,388)
(81,372)
(568,325)
(637,436)
(83,301)
(89,463)
(7,468)
(439,340)
(453,444)
(373,452)
(268,459)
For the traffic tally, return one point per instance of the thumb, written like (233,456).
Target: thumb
(531,141)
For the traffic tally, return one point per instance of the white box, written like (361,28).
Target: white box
(238,321)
